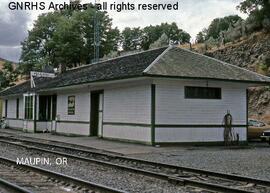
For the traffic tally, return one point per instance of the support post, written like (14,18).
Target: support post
(247,114)
(35,113)
(153,114)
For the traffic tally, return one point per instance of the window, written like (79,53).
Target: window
(28,111)
(202,93)
(71,105)
(17,108)
(6,108)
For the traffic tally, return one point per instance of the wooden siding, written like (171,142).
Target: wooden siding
(195,134)
(15,123)
(12,120)
(124,106)
(126,132)
(82,113)
(73,128)
(43,126)
(172,108)
(28,126)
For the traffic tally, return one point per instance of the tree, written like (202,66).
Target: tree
(221,24)
(37,49)
(249,6)
(8,75)
(67,43)
(131,38)
(259,9)
(67,38)
(201,36)
(162,41)
(3,81)
(150,35)
(153,33)
(184,37)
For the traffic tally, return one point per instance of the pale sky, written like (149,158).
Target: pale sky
(193,16)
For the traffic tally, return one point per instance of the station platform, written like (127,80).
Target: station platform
(123,148)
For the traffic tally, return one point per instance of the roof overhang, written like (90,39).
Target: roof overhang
(101,84)
(17,95)
(247,82)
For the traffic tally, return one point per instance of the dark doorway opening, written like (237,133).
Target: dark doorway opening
(95,109)
(47,107)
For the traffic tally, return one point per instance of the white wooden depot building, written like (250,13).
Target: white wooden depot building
(165,95)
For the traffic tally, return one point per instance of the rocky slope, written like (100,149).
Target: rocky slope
(253,53)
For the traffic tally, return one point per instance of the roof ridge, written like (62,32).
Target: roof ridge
(157,59)
(118,57)
(225,63)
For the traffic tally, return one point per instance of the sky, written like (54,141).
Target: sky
(192,16)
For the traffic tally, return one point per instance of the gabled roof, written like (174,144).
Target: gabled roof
(162,62)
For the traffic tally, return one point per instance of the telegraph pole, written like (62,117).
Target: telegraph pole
(96,34)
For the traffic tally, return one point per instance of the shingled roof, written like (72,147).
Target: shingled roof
(177,62)
(161,62)
(25,86)
(117,68)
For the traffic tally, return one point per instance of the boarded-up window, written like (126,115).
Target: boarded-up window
(202,92)
(71,105)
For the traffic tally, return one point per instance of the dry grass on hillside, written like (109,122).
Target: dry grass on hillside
(201,46)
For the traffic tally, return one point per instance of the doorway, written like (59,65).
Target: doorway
(47,112)
(96,113)
(47,107)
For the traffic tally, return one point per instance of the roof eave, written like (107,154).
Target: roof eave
(79,85)
(11,95)
(262,83)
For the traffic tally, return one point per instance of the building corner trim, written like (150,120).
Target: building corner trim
(153,114)
(247,106)
(35,114)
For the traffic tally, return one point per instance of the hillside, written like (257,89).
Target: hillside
(253,53)
(2,61)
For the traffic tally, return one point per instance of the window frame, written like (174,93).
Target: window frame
(217,89)
(28,107)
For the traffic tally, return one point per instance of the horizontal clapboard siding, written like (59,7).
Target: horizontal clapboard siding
(72,124)
(128,105)
(172,108)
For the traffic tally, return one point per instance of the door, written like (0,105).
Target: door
(96,116)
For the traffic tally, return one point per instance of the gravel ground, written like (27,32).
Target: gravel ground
(99,174)
(252,161)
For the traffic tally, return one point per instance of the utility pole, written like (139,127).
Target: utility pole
(96,34)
